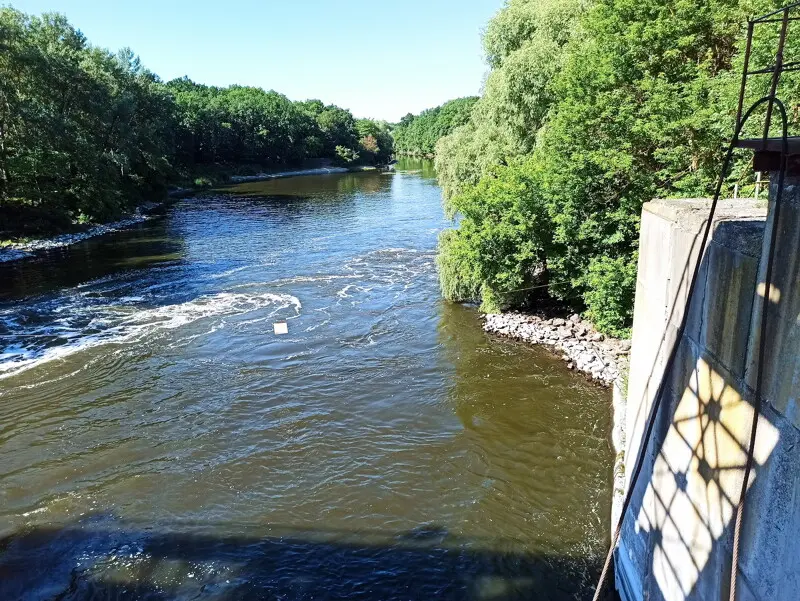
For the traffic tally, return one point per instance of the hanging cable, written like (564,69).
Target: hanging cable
(657,399)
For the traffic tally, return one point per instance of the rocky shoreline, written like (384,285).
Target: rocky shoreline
(584,349)
(22,250)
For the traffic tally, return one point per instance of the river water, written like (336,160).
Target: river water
(159,441)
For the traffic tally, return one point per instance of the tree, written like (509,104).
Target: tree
(503,240)
(417,135)
(606,105)
(525,45)
(86,134)
(338,128)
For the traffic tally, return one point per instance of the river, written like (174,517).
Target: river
(159,441)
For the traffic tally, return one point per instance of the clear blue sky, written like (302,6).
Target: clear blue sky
(379,59)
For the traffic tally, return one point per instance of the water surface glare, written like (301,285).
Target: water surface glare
(158,441)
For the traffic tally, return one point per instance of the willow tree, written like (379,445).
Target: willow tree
(525,48)
(638,102)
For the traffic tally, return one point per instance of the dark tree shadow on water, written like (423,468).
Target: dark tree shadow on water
(101,559)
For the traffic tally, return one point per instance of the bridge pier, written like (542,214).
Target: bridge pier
(677,534)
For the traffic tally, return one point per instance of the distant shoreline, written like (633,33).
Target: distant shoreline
(17,251)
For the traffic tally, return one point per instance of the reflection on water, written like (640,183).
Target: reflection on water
(331,187)
(158,441)
(423,167)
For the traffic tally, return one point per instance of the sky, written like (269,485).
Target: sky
(379,59)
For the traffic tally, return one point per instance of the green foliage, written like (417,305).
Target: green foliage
(417,135)
(502,240)
(456,261)
(637,101)
(237,125)
(346,156)
(464,156)
(86,134)
(526,45)
(375,141)
(337,127)
(609,294)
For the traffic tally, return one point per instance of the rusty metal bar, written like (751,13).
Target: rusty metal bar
(747,51)
(776,74)
(764,18)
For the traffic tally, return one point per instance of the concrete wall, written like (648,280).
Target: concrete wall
(677,534)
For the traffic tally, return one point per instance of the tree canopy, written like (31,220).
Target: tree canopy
(636,100)
(80,127)
(417,135)
(86,134)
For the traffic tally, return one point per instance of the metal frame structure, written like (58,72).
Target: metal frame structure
(768,150)
(778,154)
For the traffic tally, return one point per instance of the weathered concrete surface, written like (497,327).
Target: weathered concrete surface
(676,541)
(671,233)
(782,365)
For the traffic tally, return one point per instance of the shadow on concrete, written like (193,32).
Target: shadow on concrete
(101,558)
(677,533)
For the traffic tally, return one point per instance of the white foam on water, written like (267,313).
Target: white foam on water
(319,325)
(121,326)
(34,512)
(343,292)
(301,279)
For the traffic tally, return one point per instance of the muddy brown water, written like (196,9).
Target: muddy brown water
(158,441)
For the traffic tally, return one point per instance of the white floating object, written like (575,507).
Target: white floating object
(281,328)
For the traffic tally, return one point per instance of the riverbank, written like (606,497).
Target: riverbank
(15,251)
(584,349)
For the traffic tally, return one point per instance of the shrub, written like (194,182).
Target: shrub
(502,240)
(346,156)
(609,294)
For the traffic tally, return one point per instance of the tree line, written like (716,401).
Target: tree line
(87,134)
(417,135)
(591,108)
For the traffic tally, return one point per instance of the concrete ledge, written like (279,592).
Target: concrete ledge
(690,214)
(678,209)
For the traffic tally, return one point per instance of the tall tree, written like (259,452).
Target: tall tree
(596,108)
(418,135)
